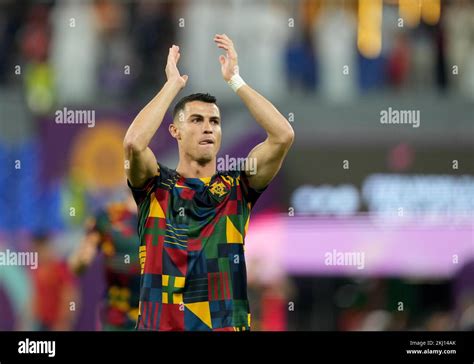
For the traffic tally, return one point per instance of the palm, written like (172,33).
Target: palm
(228,67)
(229,63)
(171,70)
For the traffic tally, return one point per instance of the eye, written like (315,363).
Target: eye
(215,121)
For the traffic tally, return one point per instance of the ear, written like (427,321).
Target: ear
(174,131)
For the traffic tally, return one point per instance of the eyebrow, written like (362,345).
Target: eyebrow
(201,116)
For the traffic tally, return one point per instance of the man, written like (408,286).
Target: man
(53,288)
(193,220)
(113,232)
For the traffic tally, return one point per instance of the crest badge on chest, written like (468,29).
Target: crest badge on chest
(218,190)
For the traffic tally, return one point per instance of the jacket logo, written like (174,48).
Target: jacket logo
(218,189)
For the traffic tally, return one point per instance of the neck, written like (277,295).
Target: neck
(192,169)
(130,204)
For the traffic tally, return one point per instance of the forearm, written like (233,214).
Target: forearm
(76,264)
(147,122)
(278,129)
(267,116)
(83,256)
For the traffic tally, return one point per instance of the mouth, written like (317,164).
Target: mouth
(207,141)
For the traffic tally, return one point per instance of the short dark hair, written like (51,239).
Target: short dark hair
(193,97)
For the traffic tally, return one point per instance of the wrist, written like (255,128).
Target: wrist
(236,82)
(175,83)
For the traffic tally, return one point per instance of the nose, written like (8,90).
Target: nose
(207,127)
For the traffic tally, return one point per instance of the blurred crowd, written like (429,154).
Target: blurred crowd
(77,53)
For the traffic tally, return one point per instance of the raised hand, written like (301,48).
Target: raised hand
(229,65)
(172,72)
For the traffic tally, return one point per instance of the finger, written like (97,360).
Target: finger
(222,40)
(223,36)
(172,55)
(227,46)
(227,38)
(223,45)
(230,52)
(171,60)
(222,59)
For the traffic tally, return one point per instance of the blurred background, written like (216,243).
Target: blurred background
(399,197)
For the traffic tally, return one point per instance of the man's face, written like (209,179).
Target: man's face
(197,128)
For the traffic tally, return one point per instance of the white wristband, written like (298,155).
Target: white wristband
(236,82)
